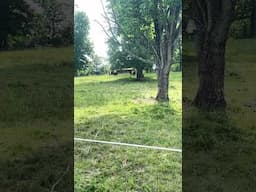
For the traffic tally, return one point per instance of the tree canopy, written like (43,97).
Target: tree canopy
(31,23)
(147,31)
(14,16)
(83,47)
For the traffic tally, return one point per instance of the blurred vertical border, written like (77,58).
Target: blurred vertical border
(219,125)
(36,95)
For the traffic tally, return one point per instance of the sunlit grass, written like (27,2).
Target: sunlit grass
(118,108)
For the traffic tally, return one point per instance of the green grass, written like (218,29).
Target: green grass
(220,148)
(118,108)
(35,99)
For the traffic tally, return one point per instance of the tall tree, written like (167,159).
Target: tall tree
(130,22)
(157,24)
(213,19)
(83,47)
(167,24)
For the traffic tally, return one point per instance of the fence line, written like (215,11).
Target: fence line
(129,145)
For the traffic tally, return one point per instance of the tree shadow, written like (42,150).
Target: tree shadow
(122,81)
(139,125)
(34,91)
(215,152)
(39,171)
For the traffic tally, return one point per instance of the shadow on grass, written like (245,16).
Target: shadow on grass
(217,155)
(149,125)
(35,91)
(39,171)
(145,170)
(35,88)
(122,81)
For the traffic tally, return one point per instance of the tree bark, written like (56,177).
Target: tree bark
(163,70)
(139,74)
(163,86)
(210,94)
(253,19)
(216,18)
(3,40)
(4,19)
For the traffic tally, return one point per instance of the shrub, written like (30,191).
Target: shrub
(176,67)
(240,29)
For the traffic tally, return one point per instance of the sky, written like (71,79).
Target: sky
(94,11)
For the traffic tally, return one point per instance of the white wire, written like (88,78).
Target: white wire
(129,145)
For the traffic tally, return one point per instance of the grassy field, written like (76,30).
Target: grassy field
(118,108)
(36,101)
(220,147)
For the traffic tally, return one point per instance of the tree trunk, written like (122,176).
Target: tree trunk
(3,40)
(210,94)
(139,74)
(253,19)
(212,37)
(163,86)
(163,71)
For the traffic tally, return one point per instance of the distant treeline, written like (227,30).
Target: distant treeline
(32,23)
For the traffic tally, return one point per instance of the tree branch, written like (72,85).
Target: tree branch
(113,35)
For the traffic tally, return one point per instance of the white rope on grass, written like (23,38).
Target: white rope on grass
(129,145)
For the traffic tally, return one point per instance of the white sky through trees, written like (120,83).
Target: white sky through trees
(94,11)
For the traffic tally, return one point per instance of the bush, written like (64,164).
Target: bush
(82,72)
(240,29)
(176,67)
(18,41)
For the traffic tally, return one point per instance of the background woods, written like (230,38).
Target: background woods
(31,23)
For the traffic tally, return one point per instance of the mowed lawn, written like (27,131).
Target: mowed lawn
(118,108)
(36,97)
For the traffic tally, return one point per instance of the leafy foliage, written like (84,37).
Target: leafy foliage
(14,20)
(133,28)
(244,18)
(147,32)
(31,23)
(83,47)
